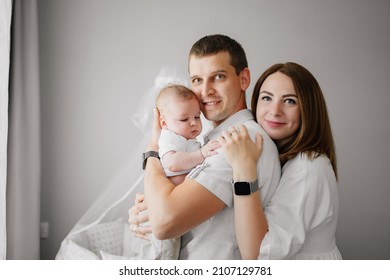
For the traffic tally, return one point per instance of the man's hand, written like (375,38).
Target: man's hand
(156,131)
(137,217)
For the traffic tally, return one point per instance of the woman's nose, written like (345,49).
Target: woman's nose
(275,109)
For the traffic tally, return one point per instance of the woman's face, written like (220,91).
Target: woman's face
(278,109)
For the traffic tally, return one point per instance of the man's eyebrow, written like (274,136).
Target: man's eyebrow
(212,73)
(219,71)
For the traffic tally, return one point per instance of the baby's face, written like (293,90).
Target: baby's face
(183,117)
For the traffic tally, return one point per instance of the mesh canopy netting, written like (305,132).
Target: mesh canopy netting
(103,232)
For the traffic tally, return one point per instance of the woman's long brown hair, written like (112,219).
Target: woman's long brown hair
(314,136)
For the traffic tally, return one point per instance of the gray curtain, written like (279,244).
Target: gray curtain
(23,179)
(5,22)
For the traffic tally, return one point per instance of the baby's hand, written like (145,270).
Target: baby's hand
(209,149)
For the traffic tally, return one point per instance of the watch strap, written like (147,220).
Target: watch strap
(147,155)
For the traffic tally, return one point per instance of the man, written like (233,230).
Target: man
(201,208)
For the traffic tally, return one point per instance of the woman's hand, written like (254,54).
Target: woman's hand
(240,150)
(156,131)
(136,218)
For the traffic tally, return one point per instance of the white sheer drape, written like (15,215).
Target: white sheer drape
(5,22)
(106,219)
(23,179)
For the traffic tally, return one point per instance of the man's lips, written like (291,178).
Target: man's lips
(210,103)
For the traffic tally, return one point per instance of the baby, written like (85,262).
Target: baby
(180,122)
(179,151)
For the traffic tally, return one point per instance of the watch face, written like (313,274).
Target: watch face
(242,188)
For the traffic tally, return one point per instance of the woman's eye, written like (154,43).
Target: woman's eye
(266,98)
(290,101)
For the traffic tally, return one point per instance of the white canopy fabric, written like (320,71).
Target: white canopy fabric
(103,231)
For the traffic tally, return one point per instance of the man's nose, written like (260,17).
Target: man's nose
(207,89)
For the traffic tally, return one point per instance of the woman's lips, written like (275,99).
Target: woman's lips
(274,124)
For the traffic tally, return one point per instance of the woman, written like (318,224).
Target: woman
(300,220)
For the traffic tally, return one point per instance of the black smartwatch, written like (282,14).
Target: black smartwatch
(146,155)
(244,187)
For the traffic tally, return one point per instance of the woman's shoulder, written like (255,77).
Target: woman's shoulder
(310,168)
(315,160)
(314,166)
(308,177)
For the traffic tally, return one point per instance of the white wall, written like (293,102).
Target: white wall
(99,57)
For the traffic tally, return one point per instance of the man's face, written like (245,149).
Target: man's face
(220,90)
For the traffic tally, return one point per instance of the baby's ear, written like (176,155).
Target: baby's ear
(163,123)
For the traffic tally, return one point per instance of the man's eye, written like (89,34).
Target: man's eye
(219,76)
(196,81)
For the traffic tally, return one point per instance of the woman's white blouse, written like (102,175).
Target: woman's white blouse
(302,215)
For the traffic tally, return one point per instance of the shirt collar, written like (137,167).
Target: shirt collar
(235,119)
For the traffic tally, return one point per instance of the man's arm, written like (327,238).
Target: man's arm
(174,210)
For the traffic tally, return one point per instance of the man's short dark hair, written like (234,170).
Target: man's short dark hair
(213,44)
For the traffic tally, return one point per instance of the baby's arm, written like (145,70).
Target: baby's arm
(179,161)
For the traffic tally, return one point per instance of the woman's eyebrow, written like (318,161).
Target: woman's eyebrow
(285,95)
(290,95)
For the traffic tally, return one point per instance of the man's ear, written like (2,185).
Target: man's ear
(245,79)
(163,123)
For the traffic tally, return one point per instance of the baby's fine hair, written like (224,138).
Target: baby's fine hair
(173,90)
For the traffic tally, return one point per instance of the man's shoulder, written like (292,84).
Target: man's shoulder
(270,151)
(253,127)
